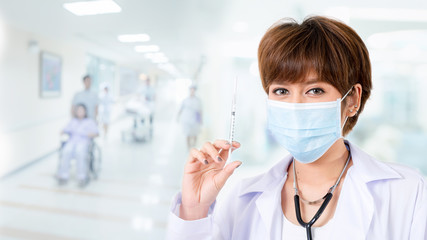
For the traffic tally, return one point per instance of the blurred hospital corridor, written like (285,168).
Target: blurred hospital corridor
(101,100)
(129,200)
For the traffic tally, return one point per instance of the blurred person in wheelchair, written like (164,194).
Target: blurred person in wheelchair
(81,131)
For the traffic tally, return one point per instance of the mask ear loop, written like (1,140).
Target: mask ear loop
(346,117)
(342,127)
(342,99)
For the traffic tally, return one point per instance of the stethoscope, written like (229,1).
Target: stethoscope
(326,199)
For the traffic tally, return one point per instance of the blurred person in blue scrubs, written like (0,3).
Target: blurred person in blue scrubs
(317,77)
(190,117)
(105,102)
(88,98)
(81,130)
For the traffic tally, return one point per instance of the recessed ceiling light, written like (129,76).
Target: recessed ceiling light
(92,7)
(154,55)
(130,38)
(147,48)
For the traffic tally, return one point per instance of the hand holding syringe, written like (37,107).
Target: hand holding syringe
(232,121)
(206,172)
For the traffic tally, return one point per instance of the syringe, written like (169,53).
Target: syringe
(232,120)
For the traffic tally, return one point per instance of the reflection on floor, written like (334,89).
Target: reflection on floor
(130,200)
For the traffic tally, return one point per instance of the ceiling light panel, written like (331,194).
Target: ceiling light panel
(92,7)
(160,60)
(154,55)
(131,38)
(147,48)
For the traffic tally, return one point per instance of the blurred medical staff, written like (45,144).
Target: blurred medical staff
(87,98)
(190,117)
(105,102)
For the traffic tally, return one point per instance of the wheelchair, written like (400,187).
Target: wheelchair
(93,158)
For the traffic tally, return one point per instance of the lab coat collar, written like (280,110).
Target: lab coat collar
(263,182)
(364,171)
(367,169)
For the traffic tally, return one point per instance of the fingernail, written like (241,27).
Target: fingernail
(206,162)
(239,165)
(219,158)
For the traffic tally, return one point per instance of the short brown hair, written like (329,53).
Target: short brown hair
(289,51)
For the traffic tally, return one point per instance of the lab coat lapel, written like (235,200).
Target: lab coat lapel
(269,207)
(268,204)
(354,211)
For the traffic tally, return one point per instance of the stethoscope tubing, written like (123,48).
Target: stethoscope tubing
(327,198)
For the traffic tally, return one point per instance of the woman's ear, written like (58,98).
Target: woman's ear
(354,99)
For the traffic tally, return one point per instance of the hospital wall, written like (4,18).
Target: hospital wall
(30,125)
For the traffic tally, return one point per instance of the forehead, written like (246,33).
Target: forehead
(308,78)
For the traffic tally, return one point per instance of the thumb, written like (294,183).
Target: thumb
(225,173)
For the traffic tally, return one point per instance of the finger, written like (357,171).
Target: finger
(221,178)
(212,151)
(221,144)
(196,155)
(225,150)
(235,146)
(224,144)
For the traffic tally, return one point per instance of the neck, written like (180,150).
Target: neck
(324,170)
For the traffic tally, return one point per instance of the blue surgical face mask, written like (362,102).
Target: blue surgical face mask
(306,130)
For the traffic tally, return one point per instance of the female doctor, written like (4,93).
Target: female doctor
(317,75)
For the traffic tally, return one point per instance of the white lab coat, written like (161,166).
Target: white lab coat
(377,201)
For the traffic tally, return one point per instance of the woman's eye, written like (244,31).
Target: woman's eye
(280,91)
(316,91)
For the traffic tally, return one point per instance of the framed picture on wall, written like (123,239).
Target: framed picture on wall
(50,75)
